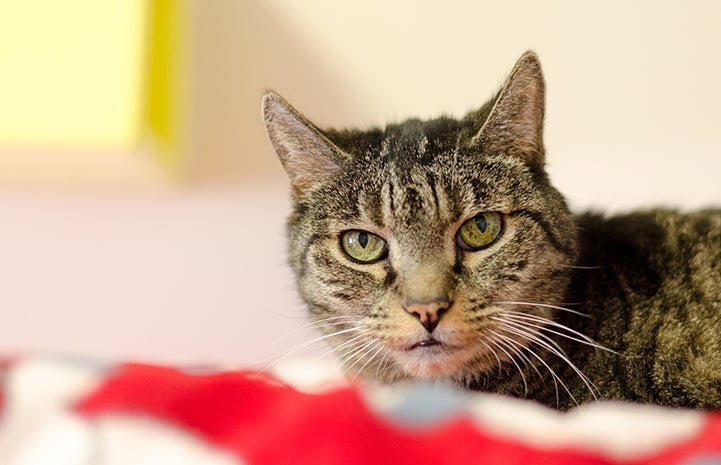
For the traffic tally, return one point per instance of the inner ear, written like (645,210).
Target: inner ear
(515,123)
(307,156)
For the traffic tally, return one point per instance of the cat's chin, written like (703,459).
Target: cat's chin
(431,361)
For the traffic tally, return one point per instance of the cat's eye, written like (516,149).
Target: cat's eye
(480,231)
(363,247)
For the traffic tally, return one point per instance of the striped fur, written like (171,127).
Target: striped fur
(511,325)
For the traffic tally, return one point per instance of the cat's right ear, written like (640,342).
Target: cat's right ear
(308,157)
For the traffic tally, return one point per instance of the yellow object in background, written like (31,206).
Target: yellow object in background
(163,108)
(88,79)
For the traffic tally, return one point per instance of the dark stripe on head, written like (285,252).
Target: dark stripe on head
(390,278)
(432,184)
(391,202)
(540,221)
(374,208)
(312,240)
(344,296)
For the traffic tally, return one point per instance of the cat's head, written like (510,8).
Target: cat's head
(412,243)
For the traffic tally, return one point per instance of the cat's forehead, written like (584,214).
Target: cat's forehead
(415,174)
(405,195)
(405,145)
(416,144)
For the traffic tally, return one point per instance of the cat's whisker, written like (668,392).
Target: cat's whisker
(543,341)
(359,354)
(555,377)
(316,340)
(522,348)
(553,348)
(455,160)
(340,347)
(554,307)
(533,336)
(349,350)
(377,349)
(530,330)
(532,339)
(528,362)
(350,341)
(287,353)
(333,321)
(501,344)
(578,267)
(495,354)
(349,356)
(544,322)
(382,364)
(327,322)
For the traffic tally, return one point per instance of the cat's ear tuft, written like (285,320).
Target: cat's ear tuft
(307,156)
(515,123)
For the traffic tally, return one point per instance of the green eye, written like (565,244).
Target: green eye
(363,246)
(480,231)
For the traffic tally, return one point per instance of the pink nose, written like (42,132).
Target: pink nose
(428,313)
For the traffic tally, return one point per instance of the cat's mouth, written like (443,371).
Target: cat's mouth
(431,358)
(426,343)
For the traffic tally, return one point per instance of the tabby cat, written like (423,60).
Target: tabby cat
(439,250)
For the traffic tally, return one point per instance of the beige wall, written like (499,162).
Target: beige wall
(633,92)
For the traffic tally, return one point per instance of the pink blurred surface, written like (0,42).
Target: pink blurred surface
(188,276)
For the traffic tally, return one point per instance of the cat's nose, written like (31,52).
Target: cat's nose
(429,312)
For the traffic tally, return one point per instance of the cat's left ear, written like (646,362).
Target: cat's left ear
(515,123)
(306,154)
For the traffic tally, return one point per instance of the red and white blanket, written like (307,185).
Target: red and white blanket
(61,412)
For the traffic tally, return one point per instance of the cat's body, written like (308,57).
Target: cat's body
(647,284)
(439,250)
(653,296)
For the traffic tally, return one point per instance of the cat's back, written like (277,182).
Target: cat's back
(667,245)
(654,281)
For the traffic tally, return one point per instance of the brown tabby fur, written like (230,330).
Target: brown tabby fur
(560,308)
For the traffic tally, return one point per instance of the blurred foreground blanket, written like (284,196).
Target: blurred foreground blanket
(60,412)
